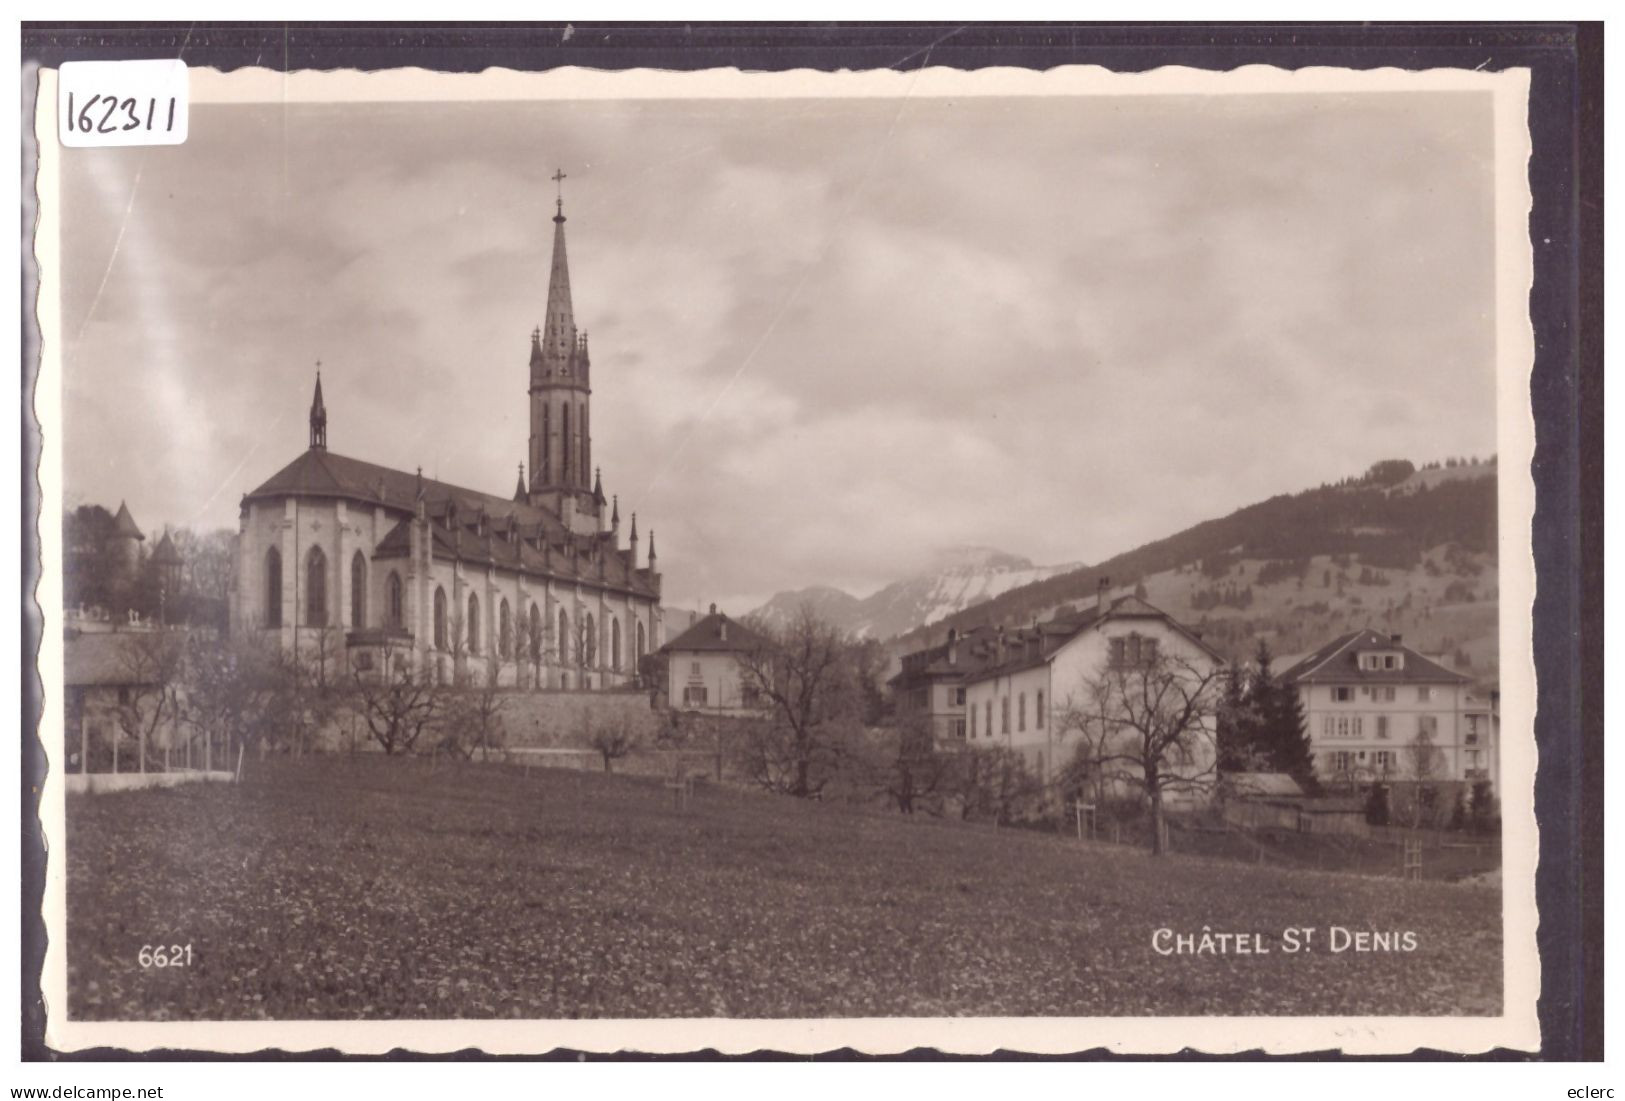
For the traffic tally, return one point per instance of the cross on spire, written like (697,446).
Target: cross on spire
(558,179)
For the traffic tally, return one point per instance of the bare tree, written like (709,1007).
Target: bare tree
(238,691)
(992,783)
(612,742)
(808,677)
(920,773)
(1158,716)
(153,665)
(470,719)
(397,702)
(1425,763)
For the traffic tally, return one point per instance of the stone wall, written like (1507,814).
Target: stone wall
(565,719)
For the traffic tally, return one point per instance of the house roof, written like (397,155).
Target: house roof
(124,523)
(1338,662)
(1052,636)
(706,635)
(165,553)
(1257,784)
(103,659)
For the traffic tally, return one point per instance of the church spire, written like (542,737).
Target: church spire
(519,493)
(559,332)
(318,415)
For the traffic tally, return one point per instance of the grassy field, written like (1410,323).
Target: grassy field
(372,888)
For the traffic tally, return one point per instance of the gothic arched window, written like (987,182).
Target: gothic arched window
(642,646)
(589,656)
(439,618)
(535,634)
(615,644)
(273,588)
(397,601)
(473,624)
(358,591)
(505,632)
(316,588)
(564,638)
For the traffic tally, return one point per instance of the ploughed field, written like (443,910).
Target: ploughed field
(377,888)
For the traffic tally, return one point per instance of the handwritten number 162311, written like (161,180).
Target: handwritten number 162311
(109,114)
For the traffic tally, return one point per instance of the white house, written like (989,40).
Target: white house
(1376,709)
(1023,701)
(703,671)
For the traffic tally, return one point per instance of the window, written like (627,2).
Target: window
(1382,726)
(958,728)
(273,588)
(973,722)
(439,618)
(1390,693)
(504,631)
(589,649)
(987,720)
(959,697)
(473,623)
(358,591)
(1358,727)
(397,601)
(1390,662)
(694,669)
(535,634)
(1133,650)
(1328,726)
(564,639)
(615,644)
(1472,758)
(1004,715)
(1427,725)
(316,588)
(694,695)
(641,649)
(1382,760)
(1342,761)
(1021,712)
(1342,694)
(1038,711)
(1424,693)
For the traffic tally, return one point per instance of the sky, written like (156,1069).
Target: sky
(830,338)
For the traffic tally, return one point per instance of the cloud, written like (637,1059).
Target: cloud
(828,336)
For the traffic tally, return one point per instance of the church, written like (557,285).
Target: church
(384,569)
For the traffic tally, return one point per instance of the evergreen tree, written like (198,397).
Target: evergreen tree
(1288,736)
(1235,723)
(1280,735)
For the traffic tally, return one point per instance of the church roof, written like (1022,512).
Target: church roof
(124,523)
(456,511)
(318,473)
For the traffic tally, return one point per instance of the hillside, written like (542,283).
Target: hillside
(957,578)
(1414,557)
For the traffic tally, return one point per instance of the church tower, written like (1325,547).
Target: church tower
(561,472)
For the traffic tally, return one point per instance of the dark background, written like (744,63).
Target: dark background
(1566,307)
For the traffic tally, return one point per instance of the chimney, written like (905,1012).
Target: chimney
(953,646)
(722,629)
(1396,639)
(1102,594)
(713,609)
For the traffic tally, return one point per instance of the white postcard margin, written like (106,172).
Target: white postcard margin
(1516,1028)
